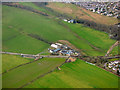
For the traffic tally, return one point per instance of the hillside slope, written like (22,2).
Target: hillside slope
(81,13)
(63,9)
(28,32)
(25,31)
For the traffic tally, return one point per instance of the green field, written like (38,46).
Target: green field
(16,38)
(11,61)
(26,73)
(77,75)
(17,26)
(93,38)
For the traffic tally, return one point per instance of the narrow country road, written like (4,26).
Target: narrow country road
(33,56)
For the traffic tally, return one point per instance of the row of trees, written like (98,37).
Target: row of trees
(25,7)
(39,38)
(98,60)
(51,11)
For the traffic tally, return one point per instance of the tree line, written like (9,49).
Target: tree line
(24,7)
(112,30)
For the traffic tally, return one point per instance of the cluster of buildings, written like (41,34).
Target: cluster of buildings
(60,49)
(69,21)
(103,8)
(115,65)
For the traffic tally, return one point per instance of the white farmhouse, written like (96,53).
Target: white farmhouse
(54,45)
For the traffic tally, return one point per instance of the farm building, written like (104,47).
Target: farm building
(61,49)
(54,46)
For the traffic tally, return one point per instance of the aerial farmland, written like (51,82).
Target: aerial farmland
(58,45)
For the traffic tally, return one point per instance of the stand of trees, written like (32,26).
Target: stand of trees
(98,60)
(38,38)
(43,5)
(24,7)
(113,30)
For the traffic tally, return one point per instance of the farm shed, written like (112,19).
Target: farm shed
(54,45)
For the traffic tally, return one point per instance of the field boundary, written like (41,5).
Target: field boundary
(19,66)
(41,76)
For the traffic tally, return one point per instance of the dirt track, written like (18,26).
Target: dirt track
(111,48)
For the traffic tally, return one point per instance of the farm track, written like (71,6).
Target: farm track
(30,55)
(112,47)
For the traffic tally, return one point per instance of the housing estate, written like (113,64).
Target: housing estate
(114,65)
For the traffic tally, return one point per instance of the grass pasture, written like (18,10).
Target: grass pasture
(11,61)
(16,39)
(77,75)
(93,37)
(46,28)
(24,74)
(19,23)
